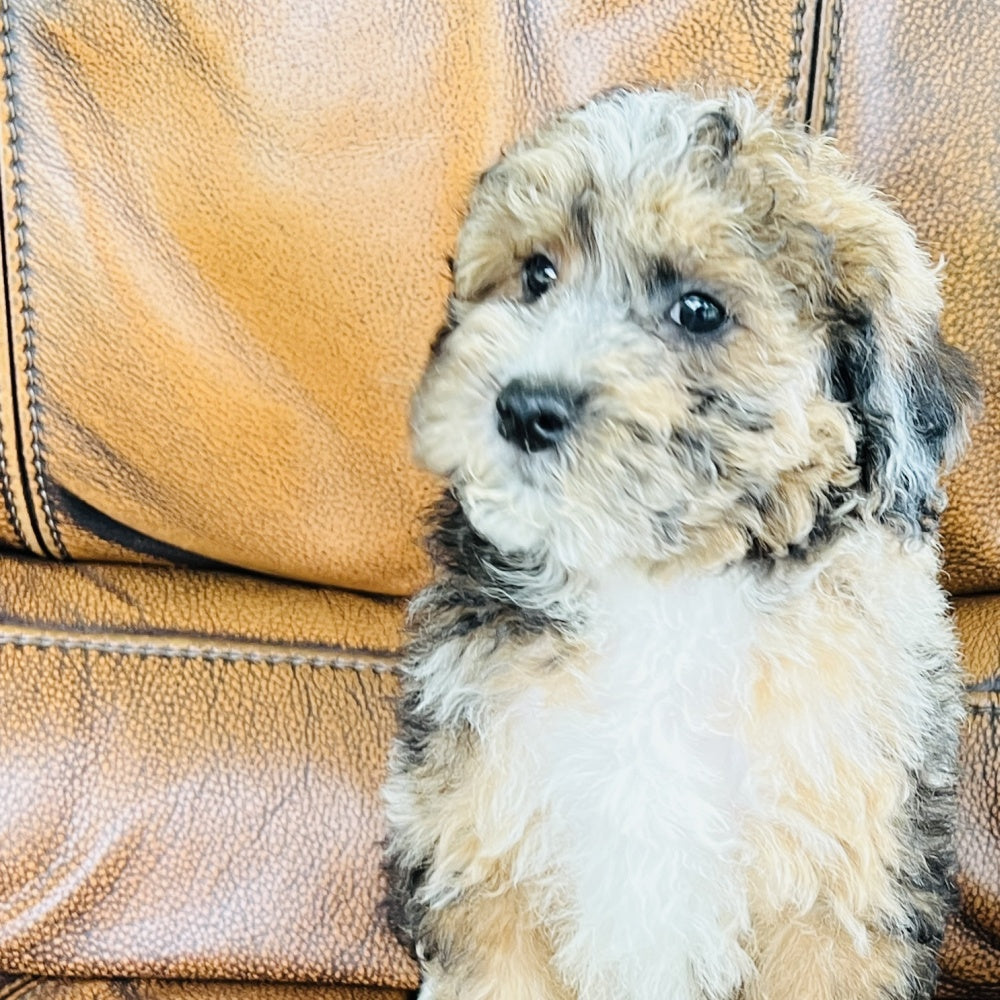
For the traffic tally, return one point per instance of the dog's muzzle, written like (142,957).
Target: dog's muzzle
(536,416)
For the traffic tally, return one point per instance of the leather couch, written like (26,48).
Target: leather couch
(224,236)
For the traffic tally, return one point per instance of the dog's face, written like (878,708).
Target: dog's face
(679,331)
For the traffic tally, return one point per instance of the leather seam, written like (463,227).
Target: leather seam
(992,710)
(831,94)
(18,987)
(10,503)
(8,499)
(32,378)
(796,57)
(149,648)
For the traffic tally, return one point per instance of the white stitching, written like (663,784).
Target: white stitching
(31,373)
(8,492)
(798,35)
(831,96)
(149,647)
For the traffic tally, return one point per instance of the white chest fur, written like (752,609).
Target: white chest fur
(636,783)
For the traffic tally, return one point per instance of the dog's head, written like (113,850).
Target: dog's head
(680,330)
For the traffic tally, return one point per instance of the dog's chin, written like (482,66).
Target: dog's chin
(526,525)
(514,522)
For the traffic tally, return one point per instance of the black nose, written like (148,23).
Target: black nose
(535,416)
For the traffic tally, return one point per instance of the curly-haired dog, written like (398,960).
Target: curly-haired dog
(679,716)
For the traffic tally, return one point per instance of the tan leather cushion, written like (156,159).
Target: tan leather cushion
(190,776)
(911,92)
(971,957)
(226,234)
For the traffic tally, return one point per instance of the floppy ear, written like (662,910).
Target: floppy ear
(910,395)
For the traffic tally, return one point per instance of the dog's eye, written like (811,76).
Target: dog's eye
(698,313)
(537,276)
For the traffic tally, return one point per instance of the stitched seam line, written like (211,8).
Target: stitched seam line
(18,987)
(178,651)
(831,94)
(795,60)
(27,313)
(993,711)
(8,499)
(8,492)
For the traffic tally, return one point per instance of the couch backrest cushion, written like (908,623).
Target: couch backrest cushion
(226,232)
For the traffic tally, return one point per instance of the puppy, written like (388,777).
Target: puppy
(679,716)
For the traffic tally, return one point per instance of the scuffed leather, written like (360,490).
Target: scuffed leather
(190,777)
(912,88)
(227,228)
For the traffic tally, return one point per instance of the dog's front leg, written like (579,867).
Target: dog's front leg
(807,957)
(486,947)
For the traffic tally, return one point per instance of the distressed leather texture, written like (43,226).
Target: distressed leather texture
(190,776)
(225,234)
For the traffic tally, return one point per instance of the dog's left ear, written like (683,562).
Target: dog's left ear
(910,395)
